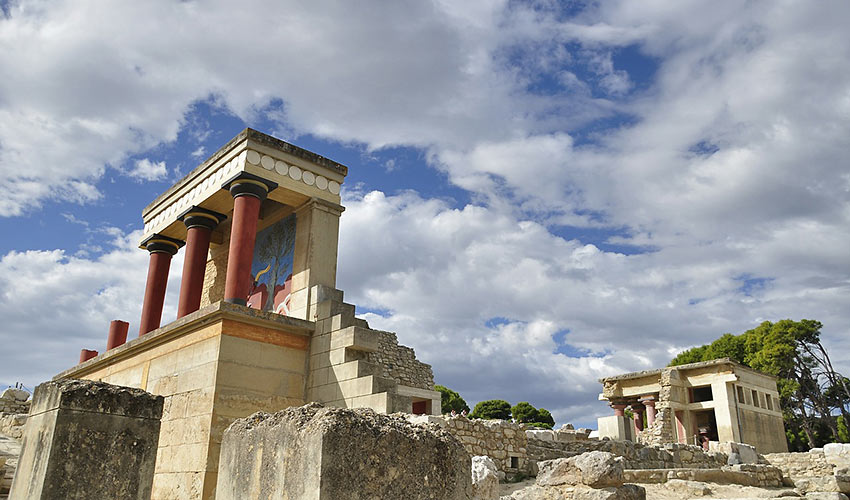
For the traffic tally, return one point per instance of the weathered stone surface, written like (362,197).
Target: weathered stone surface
(689,488)
(839,484)
(485,481)
(88,439)
(15,394)
(738,453)
(596,469)
(311,452)
(638,456)
(838,454)
(503,441)
(12,425)
(580,492)
(809,464)
(826,496)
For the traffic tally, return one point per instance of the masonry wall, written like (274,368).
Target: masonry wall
(637,456)
(498,439)
(11,406)
(399,363)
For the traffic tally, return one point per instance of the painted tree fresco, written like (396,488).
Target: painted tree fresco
(272,267)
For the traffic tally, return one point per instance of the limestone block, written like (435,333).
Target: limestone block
(826,496)
(737,453)
(312,452)
(15,394)
(536,492)
(688,489)
(838,454)
(485,479)
(596,469)
(87,439)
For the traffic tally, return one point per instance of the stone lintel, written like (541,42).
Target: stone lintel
(242,138)
(300,174)
(219,311)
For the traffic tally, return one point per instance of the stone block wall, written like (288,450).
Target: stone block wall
(504,442)
(810,464)
(399,363)
(12,425)
(9,406)
(637,456)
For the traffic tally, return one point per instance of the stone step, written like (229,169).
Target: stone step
(352,369)
(341,321)
(355,338)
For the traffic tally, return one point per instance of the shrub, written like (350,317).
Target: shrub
(450,400)
(491,409)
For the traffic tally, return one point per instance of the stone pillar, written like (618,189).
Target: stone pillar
(87,354)
(314,262)
(619,409)
(117,333)
(161,249)
(649,404)
(86,439)
(248,193)
(637,411)
(199,226)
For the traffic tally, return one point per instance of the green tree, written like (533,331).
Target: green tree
(492,409)
(544,417)
(450,400)
(524,412)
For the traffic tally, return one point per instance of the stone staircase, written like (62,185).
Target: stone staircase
(340,373)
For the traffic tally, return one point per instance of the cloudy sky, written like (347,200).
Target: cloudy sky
(540,194)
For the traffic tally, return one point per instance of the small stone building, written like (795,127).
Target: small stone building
(719,400)
(260,324)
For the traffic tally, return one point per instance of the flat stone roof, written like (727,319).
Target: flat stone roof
(688,366)
(260,138)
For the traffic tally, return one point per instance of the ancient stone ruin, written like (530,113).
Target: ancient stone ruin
(697,403)
(266,384)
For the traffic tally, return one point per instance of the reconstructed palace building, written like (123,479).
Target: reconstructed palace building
(696,403)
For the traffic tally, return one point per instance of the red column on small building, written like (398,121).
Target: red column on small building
(199,226)
(650,410)
(248,192)
(87,354)
(161,249)
(637,415)
(117,333)
(619,409)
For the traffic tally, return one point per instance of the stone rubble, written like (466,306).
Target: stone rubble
(485,479)
(595,475)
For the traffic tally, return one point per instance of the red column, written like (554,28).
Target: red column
(199,226)
(87,354)
(161,249)
(248,193)
(650,411)
(619,409)
(117,333)
(637,415)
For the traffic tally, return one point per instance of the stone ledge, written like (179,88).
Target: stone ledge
(191,322)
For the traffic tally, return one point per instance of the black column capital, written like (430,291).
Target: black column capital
(157,243)
(196,216)
(245,184)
